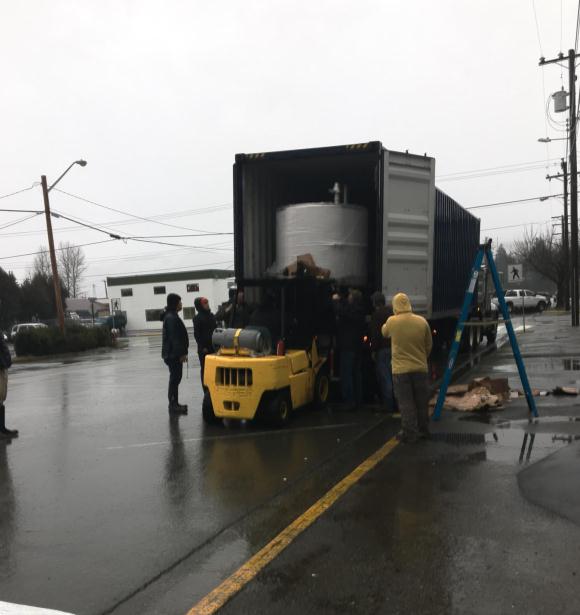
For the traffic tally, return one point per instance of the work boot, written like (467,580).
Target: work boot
(177,408)
(4,432)
(406,438)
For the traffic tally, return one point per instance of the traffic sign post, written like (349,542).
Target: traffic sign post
(516,273)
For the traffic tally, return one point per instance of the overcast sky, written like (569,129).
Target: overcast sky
(158,97)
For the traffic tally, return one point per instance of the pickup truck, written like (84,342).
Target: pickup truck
(518,299)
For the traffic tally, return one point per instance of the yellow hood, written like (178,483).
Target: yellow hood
(401,304)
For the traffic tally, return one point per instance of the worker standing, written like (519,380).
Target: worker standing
(5,363)
(175,346)
(381,349)
(411,345)
(351,325)
(204,324)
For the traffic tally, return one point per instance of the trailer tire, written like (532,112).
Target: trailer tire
(279,410)
(207,412)
(321,388)
(491,335)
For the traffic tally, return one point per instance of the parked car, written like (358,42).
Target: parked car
(25,325)
(518,299)
(550,299)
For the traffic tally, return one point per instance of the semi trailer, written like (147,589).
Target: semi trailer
(310,221)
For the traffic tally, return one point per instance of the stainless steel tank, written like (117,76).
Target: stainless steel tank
(335,234)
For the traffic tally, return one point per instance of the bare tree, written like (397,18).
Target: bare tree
(41,264)
(543,252)
(72,265)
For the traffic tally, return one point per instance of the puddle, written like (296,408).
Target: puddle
(520,442)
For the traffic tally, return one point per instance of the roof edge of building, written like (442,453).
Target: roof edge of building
(170,276)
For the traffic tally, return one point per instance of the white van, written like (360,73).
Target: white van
(26,325)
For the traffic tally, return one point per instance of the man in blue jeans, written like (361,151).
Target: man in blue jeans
(381,349)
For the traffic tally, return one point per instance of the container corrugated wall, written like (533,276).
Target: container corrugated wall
(456,243)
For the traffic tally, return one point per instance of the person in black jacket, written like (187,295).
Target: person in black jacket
(351,326)
(5,363)
(174,349)
(204,324)
(381,349)
(234,313)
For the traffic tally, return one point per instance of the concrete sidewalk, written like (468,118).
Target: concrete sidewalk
(483,519)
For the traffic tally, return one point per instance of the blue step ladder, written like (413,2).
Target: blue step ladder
(483,252)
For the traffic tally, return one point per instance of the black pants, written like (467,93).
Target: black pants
(175,374)
(201,356)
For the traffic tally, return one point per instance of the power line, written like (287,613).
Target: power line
(5,196)
(498,168)
(577,28)
(24,211)
(502,203)
(82,245)
(497,228)
(125,222)
(115,236)
(126,213)
(503,170)
(537,27)
(20,220)
(176,236)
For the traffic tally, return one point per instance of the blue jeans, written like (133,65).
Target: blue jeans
(351,376)
(385,377)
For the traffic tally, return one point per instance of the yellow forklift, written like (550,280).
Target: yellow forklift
(268,372)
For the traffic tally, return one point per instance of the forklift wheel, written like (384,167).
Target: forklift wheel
(279,410)
(207,410)
(321,388)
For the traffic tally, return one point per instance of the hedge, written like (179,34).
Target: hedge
(46,341)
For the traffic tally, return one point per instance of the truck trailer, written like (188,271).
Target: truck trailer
(308,222)
(418,239)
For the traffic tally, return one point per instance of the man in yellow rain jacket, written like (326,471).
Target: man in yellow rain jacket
(411,344)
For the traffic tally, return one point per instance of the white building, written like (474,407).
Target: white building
(142,297)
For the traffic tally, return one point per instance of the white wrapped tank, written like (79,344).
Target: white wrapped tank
(335,234)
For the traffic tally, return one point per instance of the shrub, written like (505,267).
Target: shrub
(45,341)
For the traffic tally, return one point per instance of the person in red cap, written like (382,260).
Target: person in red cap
(204,324)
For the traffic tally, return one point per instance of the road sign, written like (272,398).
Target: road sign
(515,273)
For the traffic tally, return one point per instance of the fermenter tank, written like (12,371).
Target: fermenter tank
(335,234)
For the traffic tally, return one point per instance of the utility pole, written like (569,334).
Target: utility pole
(566,237)
(565,231)
(573,188)
(55,278)
(574,272)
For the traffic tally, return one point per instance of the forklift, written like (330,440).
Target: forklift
(272,368)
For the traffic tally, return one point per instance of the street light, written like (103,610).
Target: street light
(55,278)
(548,140)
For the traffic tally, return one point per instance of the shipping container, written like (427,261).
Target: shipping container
(419,240)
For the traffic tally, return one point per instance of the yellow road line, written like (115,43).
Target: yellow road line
(243,575)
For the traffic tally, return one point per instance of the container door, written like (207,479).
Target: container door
(408,222)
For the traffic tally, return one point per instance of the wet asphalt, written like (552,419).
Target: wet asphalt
(103,492)
(108,506)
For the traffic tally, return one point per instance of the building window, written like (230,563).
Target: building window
(188,313)
(152,315)
(159,290)
(126,292)
(193,288)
